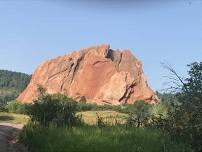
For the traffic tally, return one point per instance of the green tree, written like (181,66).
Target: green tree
(139,114)
(11,84)
(187,118)
(191,109)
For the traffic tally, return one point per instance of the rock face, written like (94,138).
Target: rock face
(99,74)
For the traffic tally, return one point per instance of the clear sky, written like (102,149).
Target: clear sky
(154,30)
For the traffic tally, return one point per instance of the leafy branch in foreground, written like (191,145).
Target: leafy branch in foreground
(187,118)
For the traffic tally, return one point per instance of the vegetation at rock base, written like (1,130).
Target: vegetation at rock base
(112,135)
(175,124)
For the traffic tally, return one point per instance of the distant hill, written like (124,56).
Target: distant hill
(11,84)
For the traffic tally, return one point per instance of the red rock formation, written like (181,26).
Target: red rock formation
(99,73)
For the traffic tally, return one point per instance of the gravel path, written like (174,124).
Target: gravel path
(8,138)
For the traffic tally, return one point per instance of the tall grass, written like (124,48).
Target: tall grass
(95,139)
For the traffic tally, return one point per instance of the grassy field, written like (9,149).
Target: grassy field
(89,117)
(94,139)
(90,138)
(109,117)
(13,118)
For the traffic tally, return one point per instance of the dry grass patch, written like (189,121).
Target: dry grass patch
(109,117)
(13,118)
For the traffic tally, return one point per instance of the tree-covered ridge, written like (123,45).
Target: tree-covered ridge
(9,79)
(11,84)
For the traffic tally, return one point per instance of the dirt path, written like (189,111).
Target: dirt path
(8,140)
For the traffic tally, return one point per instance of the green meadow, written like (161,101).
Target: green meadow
(95,139)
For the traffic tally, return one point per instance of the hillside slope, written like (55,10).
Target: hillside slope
(11,84)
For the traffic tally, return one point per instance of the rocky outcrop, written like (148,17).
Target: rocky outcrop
(102,75)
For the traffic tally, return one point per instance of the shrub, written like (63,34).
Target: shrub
(56,108)
(104,107)
(16,107)
(44,110)
(67,114)
(2,106)
(83,106)
(100,121)
(160,110)
(139,114)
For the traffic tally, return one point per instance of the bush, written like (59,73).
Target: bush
(104,107)
(67,114)
(139,114)
(83,106)
(160,110)
(100,121)
(16,107)
(57,109)
(2,107)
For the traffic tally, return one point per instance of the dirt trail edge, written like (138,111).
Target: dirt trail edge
(8,138)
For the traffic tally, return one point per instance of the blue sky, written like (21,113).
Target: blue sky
(154,30)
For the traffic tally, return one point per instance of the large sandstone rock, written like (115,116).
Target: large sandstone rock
(99,73)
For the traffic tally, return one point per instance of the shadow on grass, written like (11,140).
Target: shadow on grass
(6,118)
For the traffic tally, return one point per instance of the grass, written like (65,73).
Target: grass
(89,117)
(94,139)
(109,117)
(13,118)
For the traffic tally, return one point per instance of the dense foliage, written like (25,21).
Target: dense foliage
(57,109)
(16,80)
(11,84)
(184,121)
(52,111)
(16,107)
(188,115)
(139,114)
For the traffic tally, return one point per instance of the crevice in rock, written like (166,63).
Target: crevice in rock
(47,72)
(77,67)
(97,62)
(128,92)
(131,88)
(65,77)
(107,102)
(110,54)
(121,56)
(66,69)
(72,72)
